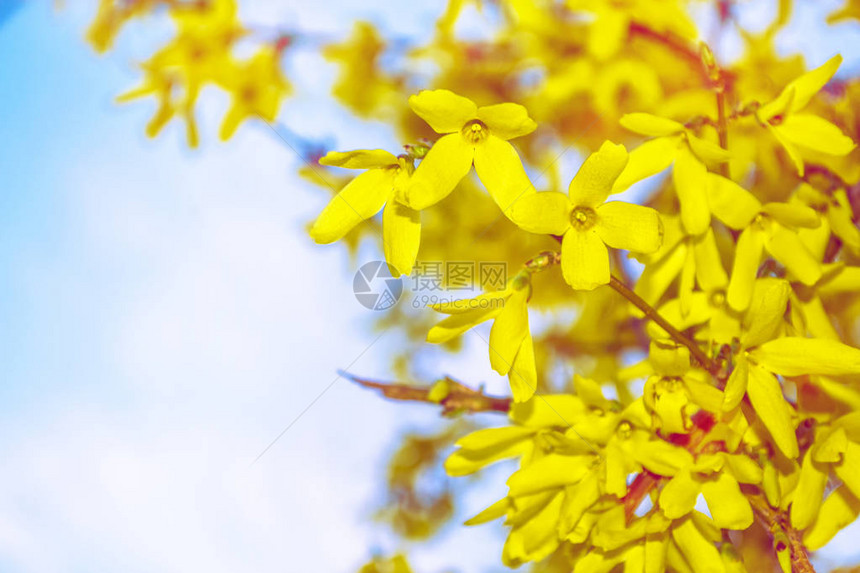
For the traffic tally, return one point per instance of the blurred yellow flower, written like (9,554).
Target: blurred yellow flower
(256,87)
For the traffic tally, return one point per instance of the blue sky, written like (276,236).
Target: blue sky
(163,316)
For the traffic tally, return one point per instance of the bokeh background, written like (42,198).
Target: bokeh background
(164,317)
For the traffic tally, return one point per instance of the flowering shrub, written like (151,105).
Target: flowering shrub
(734,279)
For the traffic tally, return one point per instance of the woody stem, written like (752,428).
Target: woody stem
(679,337)
(722,128)
(777,522)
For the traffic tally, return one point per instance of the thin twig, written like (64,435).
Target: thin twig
(777,522)
(453,399)
(650,312)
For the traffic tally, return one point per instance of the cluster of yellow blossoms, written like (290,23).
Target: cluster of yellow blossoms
(200,54)
(716,432)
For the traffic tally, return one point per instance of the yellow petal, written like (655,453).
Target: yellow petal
(553,410)
(690,177)
(779,106)
(594,181)
(793,356)
(401,236)
(790,149)
(736,386)
(550,471)
(658,275)
(744,268)
(508,331)
(809,492)
(649,158)
(815,133)
(785,246)
(731,203)
(810,83)
(443,110)
(495,511)
(494,299)
(577,499)
(447,162)
(523,374)
(839,509)
(651,125)
(709,266)
(842,220)
(847,279)
(707,151)
(730,509)
(501,171)
(766,396)
(359,159)
(701,554)
(584,259)
(488,438)
(457,324)
(830,448)
(507,120)
(544,213)
(361,199)
(765,315)
(465,462)
(661,457)
(628,226)
(792,214)
(848,470)
(678,496)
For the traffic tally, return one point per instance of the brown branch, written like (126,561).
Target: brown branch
(777,522)
(454,399)
(650,312)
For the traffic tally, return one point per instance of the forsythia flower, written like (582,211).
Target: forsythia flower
(773,230)
(256,88)
(472,134)
(587,223)
(763,355)
(511,347)
(793,129)
(364,196)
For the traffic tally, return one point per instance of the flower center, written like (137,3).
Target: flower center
(583,218)
(475,131)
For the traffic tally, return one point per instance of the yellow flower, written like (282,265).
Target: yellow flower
(773,230)
(256,88)
(793,129)
(111,16)
(696,259)
(471,135)
(199,54)
(511,346)
(764,354)
(161,83)
(587,223)
(364,196)
(674,143)
(609,30)
(836,448)
(358,62)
